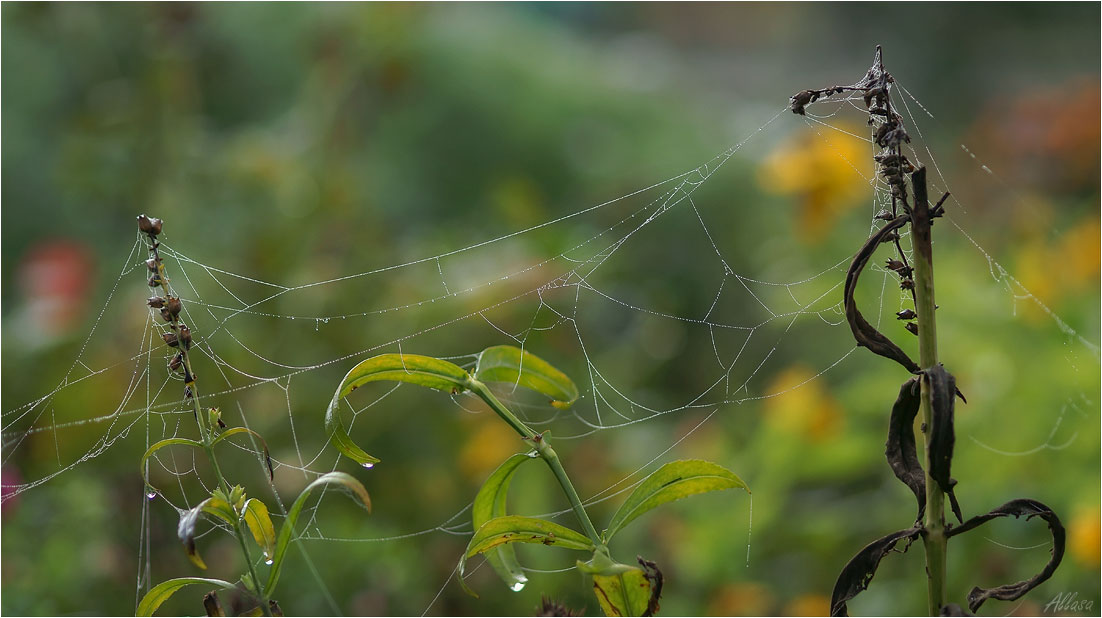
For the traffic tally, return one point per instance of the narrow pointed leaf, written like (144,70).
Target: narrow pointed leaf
(516,529)
(623,594)
(287,530)
(259,522)
(162,591)
(412,368)
(189,519)
(490,503)
(239,430)
(673,481)
(510,364)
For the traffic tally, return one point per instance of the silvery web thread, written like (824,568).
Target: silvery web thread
(146,353)
(711,325)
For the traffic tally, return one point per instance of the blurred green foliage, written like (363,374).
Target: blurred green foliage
(297,143)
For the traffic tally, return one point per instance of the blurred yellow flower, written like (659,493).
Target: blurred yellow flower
(1085,537)
(804,408)
(489,445)
(822,172)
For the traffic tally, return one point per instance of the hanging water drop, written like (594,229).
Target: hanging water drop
(517,586)
(268,559)
(317,323)
(369,465)
(150,494)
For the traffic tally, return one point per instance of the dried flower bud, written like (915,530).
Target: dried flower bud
(156,302)
(153,264)
(185,336)
(895,265)
(176,362)
(155,280)
(907,284)
(165,314)
(170,339)
(912,328)
(149,226)
(885,215)
(906,314)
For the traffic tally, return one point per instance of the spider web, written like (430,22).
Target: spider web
(588,305)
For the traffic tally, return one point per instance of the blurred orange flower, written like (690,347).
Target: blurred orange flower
(1085,537)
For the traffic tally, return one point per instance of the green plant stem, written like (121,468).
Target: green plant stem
(205,434)
(238,528)
(548,454)
(934,535)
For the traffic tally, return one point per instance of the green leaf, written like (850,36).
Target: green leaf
(490,503)
(221,509)
(673,481)
(186,531)
(152,491)
(413,368)
(263,444)
(162,591)
(259,522)
(623,594)
(287,530)
(506,363)
(516,529)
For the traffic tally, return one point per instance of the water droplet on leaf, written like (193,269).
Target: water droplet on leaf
(369,465)
(517,587)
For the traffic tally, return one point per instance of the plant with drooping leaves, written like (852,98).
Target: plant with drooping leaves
(931,388)
(621,589)
(227,506)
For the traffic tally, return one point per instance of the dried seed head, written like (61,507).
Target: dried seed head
(906,314)
(912,328)
(801,99)
(176,362)
(166,315)
(884,215)
(152,264)
(156,302)
(907,284)
(172,303)
(170,339)
(895,265)
(149,225)
(155,280)
(185,336)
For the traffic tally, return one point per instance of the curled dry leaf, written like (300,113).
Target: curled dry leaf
(863,332)
(900,449)
(859,571)
(1017,508)
(943,387)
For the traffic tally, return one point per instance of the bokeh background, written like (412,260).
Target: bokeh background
(300,142)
